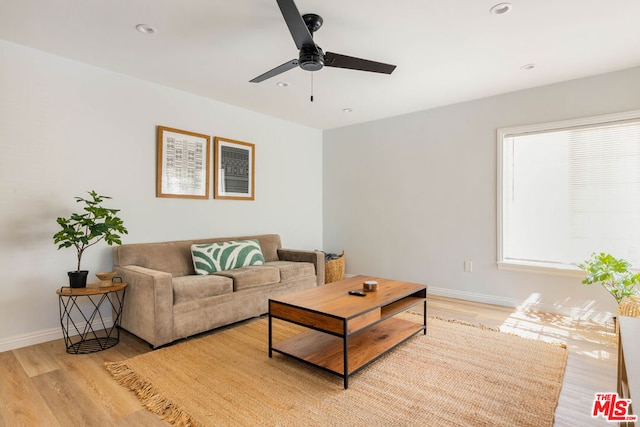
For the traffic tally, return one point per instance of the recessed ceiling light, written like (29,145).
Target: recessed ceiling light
(501,8)
(347,110)
(282,84)
(528,66)
(147,29)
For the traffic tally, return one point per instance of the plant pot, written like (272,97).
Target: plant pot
(78,279)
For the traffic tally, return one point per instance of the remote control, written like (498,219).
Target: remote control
(357,293)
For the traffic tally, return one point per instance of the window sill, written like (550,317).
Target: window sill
(542,268)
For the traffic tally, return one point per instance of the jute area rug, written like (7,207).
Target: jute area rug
(456,375)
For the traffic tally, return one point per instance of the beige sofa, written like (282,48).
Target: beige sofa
(165,300)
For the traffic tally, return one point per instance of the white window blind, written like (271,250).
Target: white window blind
(568,189)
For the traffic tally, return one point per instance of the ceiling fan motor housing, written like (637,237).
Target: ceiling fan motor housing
(311,58)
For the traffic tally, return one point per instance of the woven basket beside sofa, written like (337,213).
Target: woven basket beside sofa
(334,269)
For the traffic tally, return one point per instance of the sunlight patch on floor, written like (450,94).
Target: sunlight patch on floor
(558,328)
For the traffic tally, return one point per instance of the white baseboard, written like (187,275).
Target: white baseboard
(473,296)
(44,335)
(520,304)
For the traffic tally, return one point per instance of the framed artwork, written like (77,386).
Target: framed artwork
(234,169)
(183,164)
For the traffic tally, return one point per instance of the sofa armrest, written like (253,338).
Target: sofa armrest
(148,305)
(314,257)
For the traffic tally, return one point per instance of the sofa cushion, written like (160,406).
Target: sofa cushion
(290,270)
(193,288)
(251,277)
(220,256)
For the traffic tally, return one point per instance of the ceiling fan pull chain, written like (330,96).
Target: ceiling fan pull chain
(312,87)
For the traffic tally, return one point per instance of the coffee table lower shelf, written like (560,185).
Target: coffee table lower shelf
(328,351)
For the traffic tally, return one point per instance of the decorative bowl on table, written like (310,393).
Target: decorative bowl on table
(105,278)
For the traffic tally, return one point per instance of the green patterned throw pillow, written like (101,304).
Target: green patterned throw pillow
(211,257)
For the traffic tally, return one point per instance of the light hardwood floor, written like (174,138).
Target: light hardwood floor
(42,385)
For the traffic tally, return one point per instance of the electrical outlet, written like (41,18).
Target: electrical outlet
(468,266)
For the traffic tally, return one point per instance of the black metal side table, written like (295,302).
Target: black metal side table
(80,336)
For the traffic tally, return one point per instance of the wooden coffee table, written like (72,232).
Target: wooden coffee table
(346,332)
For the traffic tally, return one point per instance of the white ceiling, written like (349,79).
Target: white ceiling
(445,51)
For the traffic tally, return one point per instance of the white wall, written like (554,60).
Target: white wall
(412,197)
(66,128)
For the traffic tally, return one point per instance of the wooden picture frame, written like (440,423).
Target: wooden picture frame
(183,164)
(234,169)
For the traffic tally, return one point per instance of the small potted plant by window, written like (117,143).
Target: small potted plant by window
(612,273)
(85,230)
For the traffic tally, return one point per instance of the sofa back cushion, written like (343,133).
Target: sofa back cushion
(209,258)
(175,257)
(170,257)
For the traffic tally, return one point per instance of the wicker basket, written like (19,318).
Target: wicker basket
(629,306)
(334,269)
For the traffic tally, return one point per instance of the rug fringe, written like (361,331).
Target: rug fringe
(149,397)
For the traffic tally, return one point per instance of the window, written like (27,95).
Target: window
(568,189)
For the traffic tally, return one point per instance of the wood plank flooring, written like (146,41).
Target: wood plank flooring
(42,385)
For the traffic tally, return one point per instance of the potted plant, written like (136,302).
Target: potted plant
(85,230)
(612,273)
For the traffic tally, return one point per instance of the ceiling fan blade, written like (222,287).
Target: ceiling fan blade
(343,61)
(297,27)
(278,70)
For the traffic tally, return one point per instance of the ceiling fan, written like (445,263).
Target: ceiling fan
(311,57)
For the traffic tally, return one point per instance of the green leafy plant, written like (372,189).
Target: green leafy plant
(612,273)
(95,224)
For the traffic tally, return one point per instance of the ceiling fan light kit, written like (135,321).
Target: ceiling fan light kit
(311,57)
